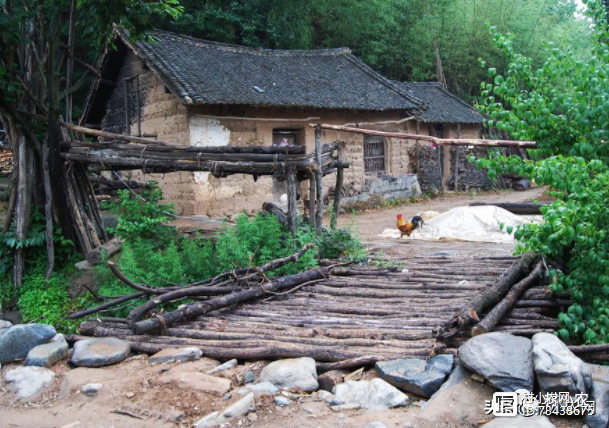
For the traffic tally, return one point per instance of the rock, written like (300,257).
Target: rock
(100,352)
(375,424)
(91,389)
(343,407)
(329,380)
(417,376)
(369,393)
(48,354)
(520,422)
(599,393)
(282,401)
(504,360)
(459,375)
(194,380)
(222,367)
(176,355)
(252,417)
(5,324)
(27,382)
(326,396)
(18,340)
(291,373)
(239,408)
(265,387)
(249,377)
(557,368)
(84,265)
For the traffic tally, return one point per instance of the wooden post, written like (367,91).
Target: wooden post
(456,178)
(137,105)
(339,187)
(312,193)
(127,117)
(292,180)
(318,182)
(418,147)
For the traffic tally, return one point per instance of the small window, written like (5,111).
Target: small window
(166,90)
(438,130)
(285,137)
(374,155)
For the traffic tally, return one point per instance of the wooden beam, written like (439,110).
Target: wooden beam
(291,173)
(312,196)
(456,176)
(435,140)
(318,182)
(338,188)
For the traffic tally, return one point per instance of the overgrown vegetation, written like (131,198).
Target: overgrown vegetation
(564,106)
(170,259)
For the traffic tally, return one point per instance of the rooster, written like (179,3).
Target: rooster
(406,228)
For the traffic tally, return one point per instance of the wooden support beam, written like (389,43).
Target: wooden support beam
(431,139)
(291,173)
(318,182)
(338,188)
(312,196)
(456,173)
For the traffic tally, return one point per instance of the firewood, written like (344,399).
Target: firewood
(110,248)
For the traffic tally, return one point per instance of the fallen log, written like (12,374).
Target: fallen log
(508,302)
(106,305)
(488,298)
(96,256)
(515,208)
(194,310)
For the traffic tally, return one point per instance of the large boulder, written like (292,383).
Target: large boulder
(557,368)
(18,340)
(100,352)
(520,422)
(291,373)
(367,394)
(417,376)
(48,354)
(599,393)
(27,382)
(502,359)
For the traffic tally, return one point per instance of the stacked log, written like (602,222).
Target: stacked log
(6,162)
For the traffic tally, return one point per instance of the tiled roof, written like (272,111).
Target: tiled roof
(202,72)
(442,106)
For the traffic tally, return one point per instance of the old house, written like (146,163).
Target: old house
(186,91)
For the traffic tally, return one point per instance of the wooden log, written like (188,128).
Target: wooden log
(312,197)
(456,173)
(276,210)
(515,208)
(107,305)
(338,189)
(318,181)
(194,310)
(508,302)
(589,349)
(96,256)
(435,140)
(292,193)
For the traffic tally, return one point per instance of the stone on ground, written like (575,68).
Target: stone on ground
(557,368)
(235,410)
(231,364)
(265,387)
(249,377)
(91,389)
(282,401)
(375,424)
(48,354)
(27,382)
(194,380)
(504,360)
(330,379)
(18,340)
(599,393)
(292,373)
(5,324)
(375,392)
(176,355)
(520,422)
(417,376)
(100,352)
(459,375)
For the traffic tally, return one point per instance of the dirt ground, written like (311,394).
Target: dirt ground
(134,397)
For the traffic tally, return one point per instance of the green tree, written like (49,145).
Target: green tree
(37,60)
(564,106)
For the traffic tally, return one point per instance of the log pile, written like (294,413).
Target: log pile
(469,175)
(6,162)
(424,160)
(341,316)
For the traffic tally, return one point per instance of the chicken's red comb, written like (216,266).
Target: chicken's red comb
(399,215)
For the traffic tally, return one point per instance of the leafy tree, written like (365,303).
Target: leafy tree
(564,106)
(37,59)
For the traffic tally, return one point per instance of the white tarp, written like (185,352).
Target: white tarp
(476,224)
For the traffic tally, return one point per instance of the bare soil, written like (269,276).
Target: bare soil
(132,397)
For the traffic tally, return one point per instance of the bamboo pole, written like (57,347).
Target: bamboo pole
(431,139)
